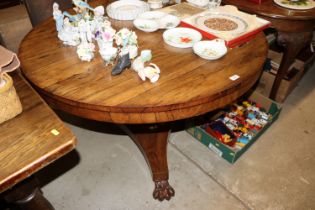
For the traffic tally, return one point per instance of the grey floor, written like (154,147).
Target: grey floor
(107,171)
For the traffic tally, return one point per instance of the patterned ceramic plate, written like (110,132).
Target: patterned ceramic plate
(218,23)
(181,37)
(297,4)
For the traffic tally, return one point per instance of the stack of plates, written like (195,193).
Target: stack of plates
(126,9)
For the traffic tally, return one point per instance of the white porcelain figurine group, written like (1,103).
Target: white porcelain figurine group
(90,24)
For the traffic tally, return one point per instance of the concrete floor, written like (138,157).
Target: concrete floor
(108,172)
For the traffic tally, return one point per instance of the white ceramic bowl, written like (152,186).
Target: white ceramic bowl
(126,9)
(169,21)
(146,25)
(210,50)
(152,15)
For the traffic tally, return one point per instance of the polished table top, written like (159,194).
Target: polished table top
(188,85)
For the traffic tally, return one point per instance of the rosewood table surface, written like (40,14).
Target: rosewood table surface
(30,141)
(188,86)
(295,29)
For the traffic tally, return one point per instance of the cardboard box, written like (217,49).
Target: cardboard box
(294,75)
(228,153)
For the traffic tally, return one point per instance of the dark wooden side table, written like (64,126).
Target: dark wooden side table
(29,142)
(295,29)
(188,86)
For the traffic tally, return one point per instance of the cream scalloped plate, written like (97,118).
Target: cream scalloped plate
(126,9)
(298,5)
(181,37)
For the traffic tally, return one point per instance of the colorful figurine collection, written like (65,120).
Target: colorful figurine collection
(239,124)
(90,24)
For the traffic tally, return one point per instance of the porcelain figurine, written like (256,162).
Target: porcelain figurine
(73,18)
(152,72)
(85,51)
(58,16)
(69,34)
(109,55)
(138,63)
(127,40)
(81,7)
(123,63)
(85,31)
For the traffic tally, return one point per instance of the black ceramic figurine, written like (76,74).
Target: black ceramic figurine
(123,63)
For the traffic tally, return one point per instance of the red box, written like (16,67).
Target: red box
(257,1)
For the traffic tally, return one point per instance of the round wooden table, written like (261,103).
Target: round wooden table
(295,29)
(188,86)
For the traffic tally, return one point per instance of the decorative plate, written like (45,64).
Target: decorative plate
(296,4)
(146,25)
(210,50)
(126,9)
(218,23)
(181,37)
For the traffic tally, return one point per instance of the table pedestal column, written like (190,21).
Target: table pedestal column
(152,141)
(27,196)
(292,43)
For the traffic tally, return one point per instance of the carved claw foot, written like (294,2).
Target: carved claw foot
(163,190)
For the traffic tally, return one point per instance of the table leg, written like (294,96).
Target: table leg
(152,141)
(293,44)
(27,196)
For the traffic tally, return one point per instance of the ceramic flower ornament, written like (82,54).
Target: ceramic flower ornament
(128,42)
(152,71)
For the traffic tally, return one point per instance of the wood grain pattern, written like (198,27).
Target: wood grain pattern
(270,9)
(26,141)
(295,29)
(188,85)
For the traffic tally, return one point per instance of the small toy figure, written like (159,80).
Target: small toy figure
(58,16)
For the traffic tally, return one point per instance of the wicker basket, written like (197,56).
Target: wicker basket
(10,104)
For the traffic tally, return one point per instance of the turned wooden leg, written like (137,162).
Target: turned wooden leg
(27,196)
(293,44)
(152,141)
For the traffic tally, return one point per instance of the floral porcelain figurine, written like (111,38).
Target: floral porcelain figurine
(58,16)
(127,41)
(152,72)
(69,34)
(85,51)
(89,25)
